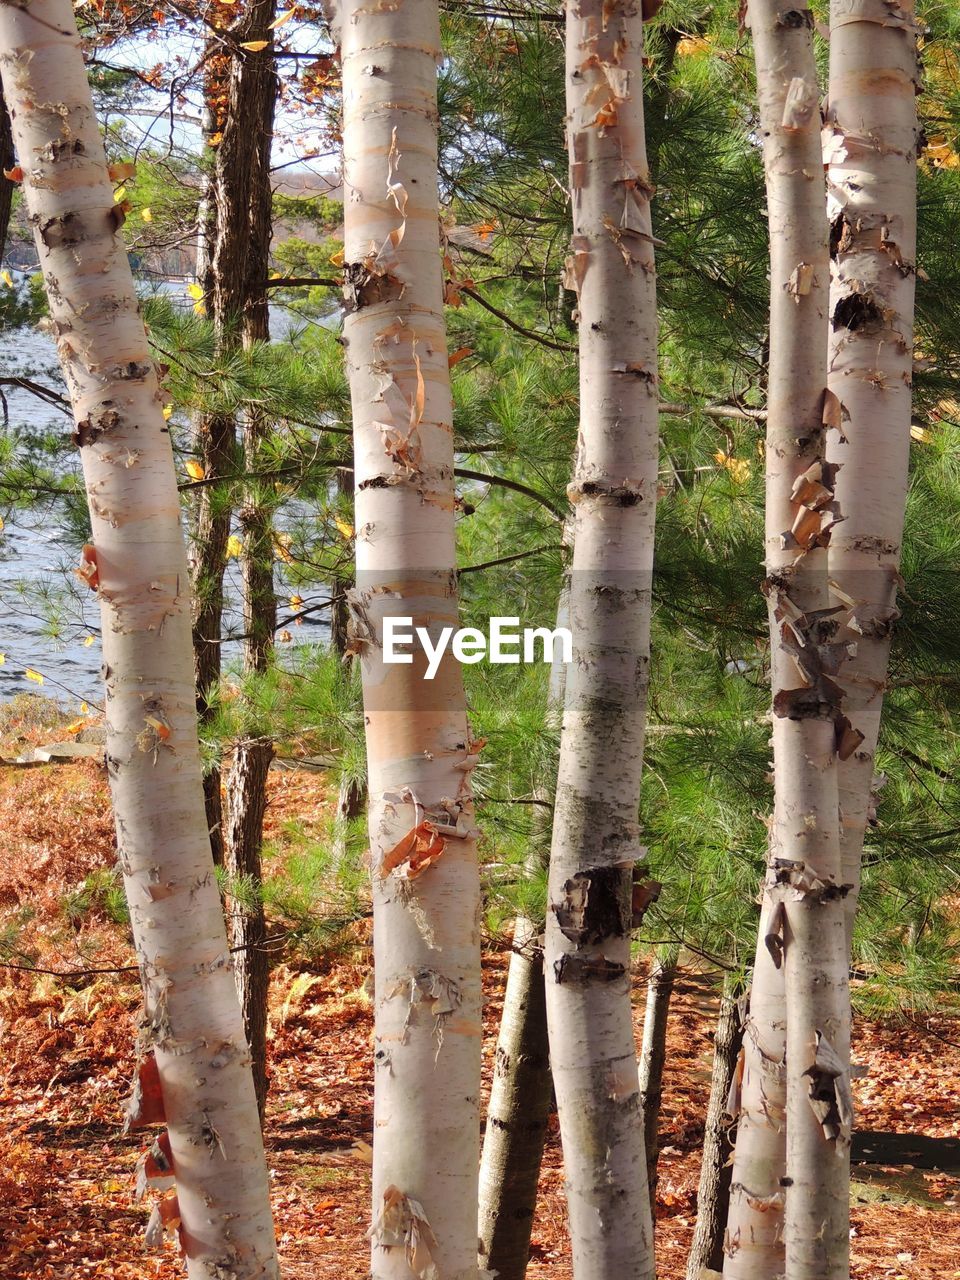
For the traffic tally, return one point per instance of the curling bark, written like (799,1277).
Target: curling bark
(613,493)
(420,755)
(799,1003)
(191,1027)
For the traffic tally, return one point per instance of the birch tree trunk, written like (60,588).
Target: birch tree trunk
(426,895)
(870,147)
(191,1026)
(802,916)
(713,1192)
(596,834)
(653,1055)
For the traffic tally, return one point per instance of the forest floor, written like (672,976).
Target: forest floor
(67,1171)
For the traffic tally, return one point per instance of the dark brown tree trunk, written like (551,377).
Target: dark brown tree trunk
(713,1196)
(237,230)
(246,806)
(653,1055)
(6,162)
(517,1115)
(244,202)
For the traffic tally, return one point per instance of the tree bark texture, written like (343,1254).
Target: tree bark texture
(713,1194)
(237,236)
(517,1115)
(191,1029)
(246,807)
(613,494)
(870,147)
(6,162)
(653,1056)
(796,1191)
(522,1089)
(426,893)
(251,103)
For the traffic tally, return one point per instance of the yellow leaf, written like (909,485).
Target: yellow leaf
(7,279)
(119,194)
(194,469)
(284,17)
(254,45)
(275,275)
(84,708)
(692,45)
(337,260)
(87,642)
(2,526)
(214,140)
(3,658)
(75,727)
(296,602)
(35,676)
(194,290)
(920,434)
(168,411)
(738,469)
(234,545)
(200,308)
(146,215)
(345,527)
(281,547)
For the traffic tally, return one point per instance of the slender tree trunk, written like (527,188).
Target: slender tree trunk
(595,834)
(426,893)
(192,1026)
(517,1115)
(653,1056)
(6,162)
(713,1195)
(246,806)
(245,197)
(522,1088)
(237,235)
(871,153)
(802,916)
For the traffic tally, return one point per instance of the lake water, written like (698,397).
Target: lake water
(39,593)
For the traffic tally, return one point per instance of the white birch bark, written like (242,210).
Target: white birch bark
(870,147)
(191,1023)
(595,835)
(789,1194)
(419,750)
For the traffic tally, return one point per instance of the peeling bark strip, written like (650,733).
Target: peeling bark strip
(613,491)
(799,980)
(191,1017)
(426,893)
